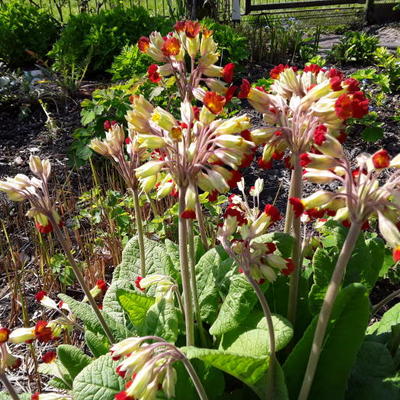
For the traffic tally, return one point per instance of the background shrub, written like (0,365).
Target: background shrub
(131,62)
(97,39)
(232,43)
(25,27)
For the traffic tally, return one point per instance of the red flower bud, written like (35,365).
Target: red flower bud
(188,214)
(381,159)
(137,283)
(272,212)
(264,164)
(192,29)
(42,332)
(290,267)
(314,68)
(320,134)
(49,357)
(396,254)
(39,295)
(102,285)
(143,44)
(244,89)
(270,247)
(297,205)
(152,73)
(4,334)
(227,72)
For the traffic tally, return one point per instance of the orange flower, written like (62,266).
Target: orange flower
(143,44)
(192,29)
(381,159)
(171,47)
(214,102)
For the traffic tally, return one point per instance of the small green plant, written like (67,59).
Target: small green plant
(390,66)
(62,269)
(233,44)
(24,27)
(354,47)
(130,63)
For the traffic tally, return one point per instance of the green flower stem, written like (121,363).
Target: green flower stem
(271,333)
(65,246)
(195,378)
(327,306)
(295,191)
(9,386)
(192,264)
(139,227)
(202,227)
(184,264)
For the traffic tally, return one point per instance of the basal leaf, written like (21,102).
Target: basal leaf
(73,359)
(97,343)
(98,381)
(390,319)
(246,368)
(238,304)
(135,305)
(344,336)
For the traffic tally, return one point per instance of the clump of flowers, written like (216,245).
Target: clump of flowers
(242,235)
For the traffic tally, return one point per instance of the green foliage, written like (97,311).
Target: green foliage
(344,336)
(130,63)
(97,343)
(101,36)
(25,27)
(73,359)
(98,381)
(61,268)
(233,44)
(389,65)
(354,47)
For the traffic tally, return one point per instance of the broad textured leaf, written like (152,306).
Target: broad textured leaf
(173,253)
(368,380)
(111,306)
(252,337)
(344,336)
(97,343)
(98,381)
(162,320)
(84,312)
(390,319)
(73,359)
(58,383)
(238,304)
(210,274)
(246,368)
(135,305)
(157,260)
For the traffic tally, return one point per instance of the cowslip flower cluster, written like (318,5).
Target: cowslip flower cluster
(194,152)
(148,367)
(188,40)
(369,191)
(35,190)
(7,360)
(125,152)
(242,235)
(164,286)
(298,104)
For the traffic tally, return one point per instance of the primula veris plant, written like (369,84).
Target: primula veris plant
(230,295)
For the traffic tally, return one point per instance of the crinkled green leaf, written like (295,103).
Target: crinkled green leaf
(158,260)
(252,337)
(73,359)
(238,304)
(344,336)
(97,343)
(85,313)
(98,381)
(368,380)
(390,318)
(135,305)
(211,271)
(162,320)
(58,383)
(112,307)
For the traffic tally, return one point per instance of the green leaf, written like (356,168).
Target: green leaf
(368,380)
(97,343)
(135,305)
(87,117)
(276,386)
(211,271)
(344,336)
(22,396)
(73,359)
(85,312)
(98,381)
(162,320)
(158,260)
(111,305)
(246,368)
(58,383)
(252,337)
(372,133)
(284,242)
(390,319)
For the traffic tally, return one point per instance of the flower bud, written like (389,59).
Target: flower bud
(163,119)
(149,168)
(22,335)
(148,184)
(169,382)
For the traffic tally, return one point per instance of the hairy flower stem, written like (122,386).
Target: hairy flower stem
(81,280)
(327,306)
(9,386)
(195,379)
(202,227)
(296,189)
(139,227)
(192,264)
(271,333)
(184,264)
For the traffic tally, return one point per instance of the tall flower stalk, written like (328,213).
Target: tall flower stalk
(297,105)
(361,196)
(36,191)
